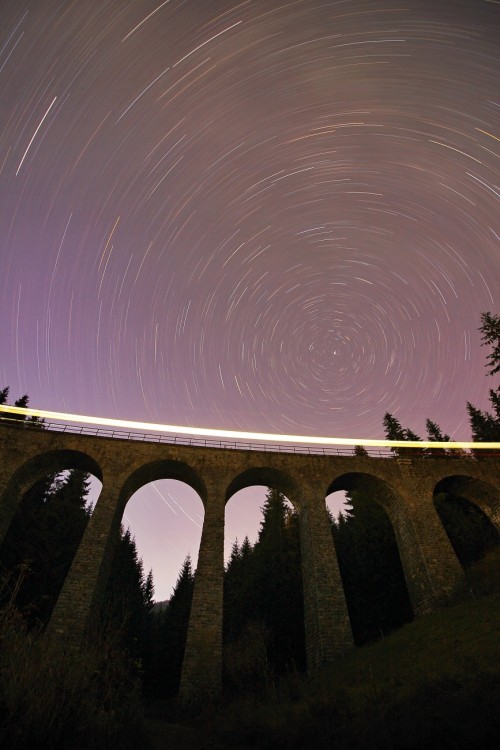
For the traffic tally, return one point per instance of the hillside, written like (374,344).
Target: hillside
(433,683)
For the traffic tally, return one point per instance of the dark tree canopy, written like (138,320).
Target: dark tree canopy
(394,431)
(263,595)
(41,543)
(485,426)
(164,654)
(490,328)
(370,567)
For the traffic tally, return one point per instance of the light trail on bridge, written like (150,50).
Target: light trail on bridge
(240,435)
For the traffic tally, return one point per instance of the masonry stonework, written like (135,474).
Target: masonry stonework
(404,488)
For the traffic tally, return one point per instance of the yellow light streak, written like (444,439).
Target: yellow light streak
(237,435)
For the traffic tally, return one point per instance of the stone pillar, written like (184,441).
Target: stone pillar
(202,666)
(433,574)
(78,605)
(327,626)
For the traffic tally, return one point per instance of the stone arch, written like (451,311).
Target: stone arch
(51,462)
(469,510)
(267,477)
(386,495)
(189,493)
(477,491)
(374,609)
(36,468)
(135,496)
(53,523)
(165,469)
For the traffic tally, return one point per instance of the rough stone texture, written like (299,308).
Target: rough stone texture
(202,665)
(434,577)
(404,487)
(82,594)
(326,619)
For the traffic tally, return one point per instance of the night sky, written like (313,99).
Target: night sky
(263,215)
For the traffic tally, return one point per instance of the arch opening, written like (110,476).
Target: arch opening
(467,508)
(52,497)
(162,522)
(263,623)
(370,565)
(337,504)
(264,476)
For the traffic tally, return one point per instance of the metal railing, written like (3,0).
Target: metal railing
(200,442)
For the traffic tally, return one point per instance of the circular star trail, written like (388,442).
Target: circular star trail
(264,215)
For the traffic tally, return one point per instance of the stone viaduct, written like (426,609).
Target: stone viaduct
(404,487)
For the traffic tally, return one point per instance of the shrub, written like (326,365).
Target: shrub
(65,699)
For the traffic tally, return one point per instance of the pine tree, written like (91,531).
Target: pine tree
(126,606)
(434,434)
(234,557)
(394,431)
(263,600)
(239,590)
(163,659)
(360,450)
(41,542)
(149,590)
(414,452)
(490,328)
(370,567)
(392,427)
(485,426)
(246,548)
(279,583)
(72,487)
(495,402)
(22,402)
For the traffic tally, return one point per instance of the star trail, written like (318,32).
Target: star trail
(264,216)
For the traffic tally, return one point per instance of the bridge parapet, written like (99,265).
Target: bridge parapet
(404,454)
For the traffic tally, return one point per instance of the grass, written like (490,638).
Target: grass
(65,700)
(434,683)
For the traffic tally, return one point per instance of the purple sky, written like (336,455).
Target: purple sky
(262,215)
